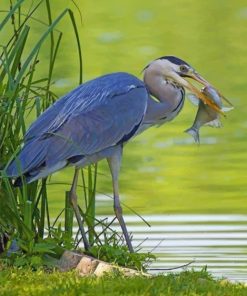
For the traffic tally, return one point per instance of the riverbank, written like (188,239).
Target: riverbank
(27,282)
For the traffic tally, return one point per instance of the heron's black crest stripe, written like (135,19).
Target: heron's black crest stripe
(174,60)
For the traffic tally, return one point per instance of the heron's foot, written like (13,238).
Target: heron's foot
(73,199)
(118,212)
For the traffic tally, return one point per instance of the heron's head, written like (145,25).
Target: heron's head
(178,71)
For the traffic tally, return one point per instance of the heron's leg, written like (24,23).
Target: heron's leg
(73,199)
(114,163)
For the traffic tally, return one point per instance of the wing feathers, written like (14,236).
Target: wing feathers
(103,127)
(97,115)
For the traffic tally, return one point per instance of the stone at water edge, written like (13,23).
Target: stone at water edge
(69,260)
(104,268)
(87,265)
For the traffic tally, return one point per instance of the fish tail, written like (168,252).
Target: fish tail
(194,133)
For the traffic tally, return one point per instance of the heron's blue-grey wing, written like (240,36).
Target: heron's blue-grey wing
(102,127)
(99,114)
(83,98)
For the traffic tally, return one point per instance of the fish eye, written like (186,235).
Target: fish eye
(184,69)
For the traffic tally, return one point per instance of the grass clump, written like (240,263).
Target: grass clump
(26,282)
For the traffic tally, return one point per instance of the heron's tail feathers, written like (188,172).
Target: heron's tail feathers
(34,162)
(31,157)
(31,163)
(39,173)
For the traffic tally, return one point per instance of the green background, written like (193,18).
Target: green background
(163,170)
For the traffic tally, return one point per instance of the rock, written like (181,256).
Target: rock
(69,260)
(132,272)
(87,265)
(104,268)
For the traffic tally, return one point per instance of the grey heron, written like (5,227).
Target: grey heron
(96,119)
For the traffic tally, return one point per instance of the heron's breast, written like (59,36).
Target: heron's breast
(175,111)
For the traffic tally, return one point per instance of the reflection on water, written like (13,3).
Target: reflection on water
(215,241)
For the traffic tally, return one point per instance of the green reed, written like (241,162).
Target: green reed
(24,212)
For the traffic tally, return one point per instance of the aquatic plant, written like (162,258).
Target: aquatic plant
(24,95)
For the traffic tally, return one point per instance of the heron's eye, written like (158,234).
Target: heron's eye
(184,69)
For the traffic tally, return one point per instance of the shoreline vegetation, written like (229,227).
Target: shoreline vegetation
(25,281)
(26,92)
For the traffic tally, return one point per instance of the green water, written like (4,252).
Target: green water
(163,171)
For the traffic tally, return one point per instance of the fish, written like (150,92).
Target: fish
(205,114)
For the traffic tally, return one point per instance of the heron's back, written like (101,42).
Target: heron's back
(96,115)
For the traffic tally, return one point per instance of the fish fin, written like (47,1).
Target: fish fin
(214,123)
(227,109)
(193,98)
(194,133)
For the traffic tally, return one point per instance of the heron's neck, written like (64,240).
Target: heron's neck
(170,98)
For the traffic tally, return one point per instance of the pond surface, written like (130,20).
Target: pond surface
(217,242)
(163,170)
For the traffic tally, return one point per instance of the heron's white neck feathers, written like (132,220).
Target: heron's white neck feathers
(159,78)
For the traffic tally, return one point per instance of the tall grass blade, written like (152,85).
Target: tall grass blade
(78,45)
(28,214)
(9,15)
(68,215)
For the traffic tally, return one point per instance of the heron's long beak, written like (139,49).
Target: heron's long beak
(196,76)
(207,100)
